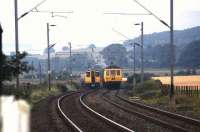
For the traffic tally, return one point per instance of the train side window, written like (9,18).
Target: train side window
(107,73)
(118,72)
(87,74)
(97,74)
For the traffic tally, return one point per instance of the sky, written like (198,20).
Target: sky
(88,24)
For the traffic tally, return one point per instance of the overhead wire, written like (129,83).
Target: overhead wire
(151,13)
(35,7)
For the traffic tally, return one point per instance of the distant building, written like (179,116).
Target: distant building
(60,59)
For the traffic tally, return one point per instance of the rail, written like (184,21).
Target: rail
(64,115)
(141,115)
(101,116)
(170,114)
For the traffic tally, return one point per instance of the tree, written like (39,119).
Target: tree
(116,54)
(189,58)
(81,61)
(158,56)
(10,69)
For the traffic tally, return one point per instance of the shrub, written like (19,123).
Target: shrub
(148,85)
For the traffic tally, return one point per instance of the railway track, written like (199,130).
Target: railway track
(168,120)
(81,118)
(167,113)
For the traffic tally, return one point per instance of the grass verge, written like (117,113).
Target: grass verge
(36,93)
(151,94)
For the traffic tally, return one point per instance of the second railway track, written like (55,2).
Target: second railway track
(173,121)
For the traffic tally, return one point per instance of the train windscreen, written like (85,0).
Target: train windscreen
(112,72)
(97,74)
(118,72)
(87,74)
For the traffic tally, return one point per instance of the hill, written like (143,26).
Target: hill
(181,37)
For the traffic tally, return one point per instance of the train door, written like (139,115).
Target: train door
(112,72)
(92,78)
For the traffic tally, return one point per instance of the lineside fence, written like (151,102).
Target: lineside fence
(182,90)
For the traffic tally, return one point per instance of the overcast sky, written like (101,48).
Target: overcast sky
(88,24)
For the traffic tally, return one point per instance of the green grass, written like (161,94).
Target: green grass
(151,94)
(35,92)
(43,92)
(185,103)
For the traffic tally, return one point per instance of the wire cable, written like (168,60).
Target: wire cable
(163,22)
(35,7)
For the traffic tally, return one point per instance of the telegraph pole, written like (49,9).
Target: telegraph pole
(142,54)
(48,59)
(171,93)
(16,42)
(70,61)
(40,73)
(1,60)
(32,69)
(134,80)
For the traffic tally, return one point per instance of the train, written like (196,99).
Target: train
(92,79)
(109,77)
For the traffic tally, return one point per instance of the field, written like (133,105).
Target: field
(193,80)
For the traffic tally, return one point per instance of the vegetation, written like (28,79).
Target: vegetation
(115,54)
(189,58)
(191,104)
(157,49)
(147,76)
(81,61)
(182,37)
(151,94)
(11,67)
(33,93)
(150,88)
(42,92)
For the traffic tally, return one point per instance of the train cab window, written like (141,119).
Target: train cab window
(118,72)
(107,73)
(97,74)
(112,72)
(87,74)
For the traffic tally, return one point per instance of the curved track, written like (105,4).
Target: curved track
(81,117)
(64,116)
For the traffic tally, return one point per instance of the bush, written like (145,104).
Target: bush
(62,87)
(147,76)
(149,85)
(126,85)
(23,92)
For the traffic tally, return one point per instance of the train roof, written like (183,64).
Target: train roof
(89,70)
(111,67)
